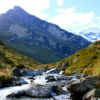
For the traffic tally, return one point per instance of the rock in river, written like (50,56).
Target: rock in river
(79,89)
(50,78)
(27,72)
(42,91)
(38,91)
(19,81)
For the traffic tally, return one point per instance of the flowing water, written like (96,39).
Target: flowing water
(4,92)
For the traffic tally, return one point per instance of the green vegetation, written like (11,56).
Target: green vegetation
(42,41)
(85,61)
(44,54)
(10,60)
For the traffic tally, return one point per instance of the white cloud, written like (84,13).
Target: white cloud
(60,2)
(95,24)
(34,7)
(71,20)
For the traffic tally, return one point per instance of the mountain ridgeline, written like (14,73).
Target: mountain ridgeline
(92,33)
(36,38)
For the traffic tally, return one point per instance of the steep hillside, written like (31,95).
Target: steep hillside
(45,42)
(85,61)
(10,60)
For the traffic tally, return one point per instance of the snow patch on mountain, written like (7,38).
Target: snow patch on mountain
(91,33)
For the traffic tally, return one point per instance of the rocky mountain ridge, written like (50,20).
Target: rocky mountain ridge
(36,38)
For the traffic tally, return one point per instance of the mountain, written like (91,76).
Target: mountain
(36,38)
(10,60)
(85,61)
(92,33)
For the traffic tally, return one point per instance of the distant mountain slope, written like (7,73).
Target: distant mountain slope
(85,61)
(10,60)
(92,34)
(38,39)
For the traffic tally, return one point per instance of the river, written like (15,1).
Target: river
(39,79)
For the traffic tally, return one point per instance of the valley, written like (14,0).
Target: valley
(57,79)
(41,61)
(40,40)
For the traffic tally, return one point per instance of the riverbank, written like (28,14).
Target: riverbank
(47,84)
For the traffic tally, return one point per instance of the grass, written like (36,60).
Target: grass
(85,61)
(10,60)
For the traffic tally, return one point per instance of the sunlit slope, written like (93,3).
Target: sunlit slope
(85,61)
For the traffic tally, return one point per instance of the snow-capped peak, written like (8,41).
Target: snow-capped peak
(91,33)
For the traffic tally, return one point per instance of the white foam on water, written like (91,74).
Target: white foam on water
(9,90)
(62,97)
(41,79)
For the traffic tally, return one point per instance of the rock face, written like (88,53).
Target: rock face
(36,38)
(82,87)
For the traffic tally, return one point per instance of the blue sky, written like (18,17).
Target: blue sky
(72,15)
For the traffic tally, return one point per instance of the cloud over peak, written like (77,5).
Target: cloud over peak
(69,18)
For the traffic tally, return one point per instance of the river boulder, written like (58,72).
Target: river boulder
(27,72)
(50,78)
(38,91)
(79,89)
(19,81)
(17,94)
(42,91)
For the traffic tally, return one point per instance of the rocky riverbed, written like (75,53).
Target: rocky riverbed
(48,84)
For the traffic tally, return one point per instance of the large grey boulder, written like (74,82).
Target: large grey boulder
(79,89)
(84,86)
(38,91)
(42,91)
